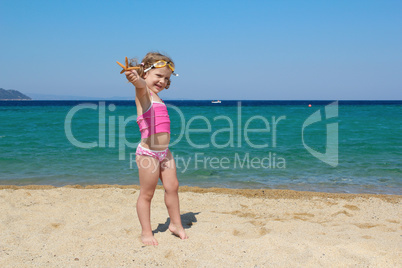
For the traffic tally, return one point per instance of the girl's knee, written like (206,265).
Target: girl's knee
(172,187)
(147,196)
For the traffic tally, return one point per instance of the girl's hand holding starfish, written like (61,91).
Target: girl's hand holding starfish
(133,77)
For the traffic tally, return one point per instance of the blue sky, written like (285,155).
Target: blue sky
(271,50)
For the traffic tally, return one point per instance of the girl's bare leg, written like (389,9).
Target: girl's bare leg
(168,176)
(148,169)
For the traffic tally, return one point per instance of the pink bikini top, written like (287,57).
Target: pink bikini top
(154,120)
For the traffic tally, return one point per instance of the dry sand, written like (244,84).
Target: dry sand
(98,227)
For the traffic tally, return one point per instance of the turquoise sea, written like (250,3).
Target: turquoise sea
(345,146)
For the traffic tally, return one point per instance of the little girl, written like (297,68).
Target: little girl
(153,157)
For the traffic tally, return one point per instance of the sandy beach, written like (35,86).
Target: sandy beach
(97,226)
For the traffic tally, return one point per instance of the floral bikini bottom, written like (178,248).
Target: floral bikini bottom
(159,155)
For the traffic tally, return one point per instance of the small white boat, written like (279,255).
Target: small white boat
(216,101)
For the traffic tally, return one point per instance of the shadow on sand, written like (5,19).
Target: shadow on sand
(187,220)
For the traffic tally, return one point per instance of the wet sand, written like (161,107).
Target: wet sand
(97,226)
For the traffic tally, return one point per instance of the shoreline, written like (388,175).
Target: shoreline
(249,193)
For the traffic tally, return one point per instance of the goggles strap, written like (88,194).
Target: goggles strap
(146,70)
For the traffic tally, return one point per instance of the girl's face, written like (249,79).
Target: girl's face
(157,78)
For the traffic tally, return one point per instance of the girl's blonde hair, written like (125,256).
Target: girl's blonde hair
(147,62)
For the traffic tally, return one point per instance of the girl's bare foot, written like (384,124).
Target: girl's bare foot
(178,230)
(149,240)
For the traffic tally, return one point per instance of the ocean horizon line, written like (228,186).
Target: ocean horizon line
(362,101)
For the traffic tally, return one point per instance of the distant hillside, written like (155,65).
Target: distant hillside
(12,94)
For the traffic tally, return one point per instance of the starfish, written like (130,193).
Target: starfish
(126,68)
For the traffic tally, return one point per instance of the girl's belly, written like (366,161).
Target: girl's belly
(157,142)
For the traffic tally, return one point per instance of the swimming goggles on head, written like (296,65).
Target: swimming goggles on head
(161,64)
